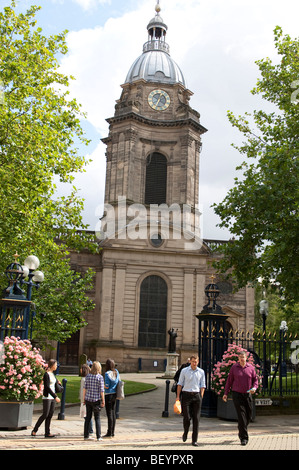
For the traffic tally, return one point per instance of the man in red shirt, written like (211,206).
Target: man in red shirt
(243,382)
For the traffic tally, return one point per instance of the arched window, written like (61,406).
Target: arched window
(156,179)
(153,313)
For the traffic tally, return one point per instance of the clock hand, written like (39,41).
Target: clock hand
(159,99)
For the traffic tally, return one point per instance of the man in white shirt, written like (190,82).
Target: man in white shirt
(192,384)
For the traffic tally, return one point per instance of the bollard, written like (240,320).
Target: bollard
(62,405)
(165,413)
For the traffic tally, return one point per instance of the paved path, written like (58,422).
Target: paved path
(142,427)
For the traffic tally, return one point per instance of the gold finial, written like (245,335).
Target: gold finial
(213,278)
(16,256)
(158,8)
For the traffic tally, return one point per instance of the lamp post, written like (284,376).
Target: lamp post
(264,310)
(15,305)
(31,264)
(34,277)
(283,366)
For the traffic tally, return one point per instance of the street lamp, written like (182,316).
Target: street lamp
(264,310)
(283,366)
(35,277)
(15,311)
(31,264)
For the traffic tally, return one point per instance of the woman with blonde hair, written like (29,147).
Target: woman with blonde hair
(94,399)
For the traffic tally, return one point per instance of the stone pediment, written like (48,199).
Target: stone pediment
(231,312)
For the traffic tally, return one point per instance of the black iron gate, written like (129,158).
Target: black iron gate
(277,353)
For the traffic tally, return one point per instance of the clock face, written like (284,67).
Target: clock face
(159,100)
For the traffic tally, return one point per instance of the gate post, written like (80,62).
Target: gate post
(211,344)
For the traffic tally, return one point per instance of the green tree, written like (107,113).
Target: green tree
(40,131)
(277,312)
(261,210)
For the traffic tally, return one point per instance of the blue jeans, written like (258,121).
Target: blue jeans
(90,426)
(92,408)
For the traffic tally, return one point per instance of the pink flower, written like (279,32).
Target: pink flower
(20,361)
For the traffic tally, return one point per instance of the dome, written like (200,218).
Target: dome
(155,66)
(155,63)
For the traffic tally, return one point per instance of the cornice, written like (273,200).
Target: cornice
(158,143)
(155,123)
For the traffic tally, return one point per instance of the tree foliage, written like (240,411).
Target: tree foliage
(40,131)
(261,210)
(277,312)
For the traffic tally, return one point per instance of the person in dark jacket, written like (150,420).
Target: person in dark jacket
(49,399)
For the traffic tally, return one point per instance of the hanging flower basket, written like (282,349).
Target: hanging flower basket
(21,382)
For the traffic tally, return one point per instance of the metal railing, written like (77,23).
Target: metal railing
(277,354)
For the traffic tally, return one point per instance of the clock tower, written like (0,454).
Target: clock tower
(154,143)
(151,272)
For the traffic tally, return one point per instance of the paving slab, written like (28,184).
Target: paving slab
(141,427)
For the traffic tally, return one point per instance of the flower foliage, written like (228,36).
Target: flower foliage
(21,371)
(222,368)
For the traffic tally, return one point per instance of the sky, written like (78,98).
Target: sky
(215,43)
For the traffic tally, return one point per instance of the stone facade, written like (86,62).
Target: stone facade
(153,117)
(112,329)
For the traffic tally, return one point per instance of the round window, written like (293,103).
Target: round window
(156,240)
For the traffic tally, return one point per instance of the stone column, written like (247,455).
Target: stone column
(120,282)
(107,281)
(188,308)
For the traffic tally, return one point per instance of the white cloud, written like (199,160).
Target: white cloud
(90,4)
(215,43)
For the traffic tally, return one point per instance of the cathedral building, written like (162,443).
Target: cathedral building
(153,266)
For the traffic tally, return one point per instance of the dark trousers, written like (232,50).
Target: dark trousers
(110,402)
(191,403)
(92,408)
(243,405)
(48,411)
